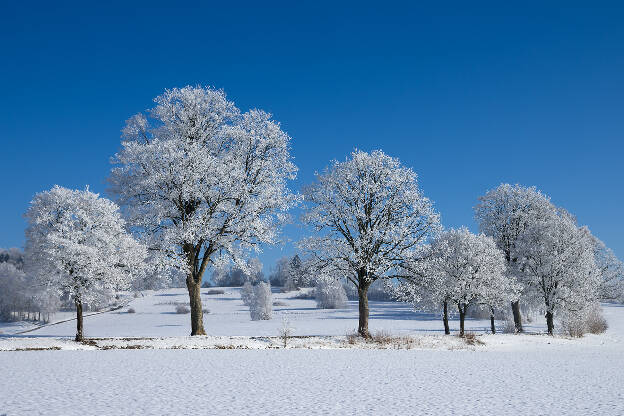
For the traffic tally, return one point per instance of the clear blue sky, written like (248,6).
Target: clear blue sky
(468,96)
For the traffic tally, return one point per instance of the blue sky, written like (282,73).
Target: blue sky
(469,97)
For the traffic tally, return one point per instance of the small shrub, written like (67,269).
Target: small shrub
(595,321)
(330,294)
(215,292)
(352,338)
(382,337)
(279,303)
(261,306)
(305,294)
(182,309)
(285,331)
(386,339)
(589,320)
(205,311)
(572,327)
(131,310)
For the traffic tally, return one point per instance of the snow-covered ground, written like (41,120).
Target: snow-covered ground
(155,317)
(315,382)
(509,374)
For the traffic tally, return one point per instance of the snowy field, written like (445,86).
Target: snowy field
(155,317)
(509,374)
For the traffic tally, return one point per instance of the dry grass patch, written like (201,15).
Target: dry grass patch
(470,338)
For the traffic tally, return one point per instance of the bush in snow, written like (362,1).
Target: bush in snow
(285,331)
(305,294)
(330,294)
(182,309)
(247,293)
(261,304)
(131,310)
(215,292)
(595,321)
(588,320)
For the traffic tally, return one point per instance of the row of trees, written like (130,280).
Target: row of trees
(202,184)
(21,298)
(376,225)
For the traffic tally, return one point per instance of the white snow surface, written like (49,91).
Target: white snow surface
(155,317)
(173,373)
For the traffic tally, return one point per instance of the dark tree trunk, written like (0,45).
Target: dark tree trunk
(79,331)
(515,307)
(363,309)
(447,331)
(462,317)
(549,323)
(493,327)
(197,314)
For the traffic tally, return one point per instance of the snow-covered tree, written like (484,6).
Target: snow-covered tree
(279,275)
(21,295)
(237,276)
(11,285)
(557,260)
(330,294)
(370,216)
(504,213)
(77,244)
(463,269)
(295,274)
(497,295)
(261,303)
(611,272)
(12,256)
(202,182)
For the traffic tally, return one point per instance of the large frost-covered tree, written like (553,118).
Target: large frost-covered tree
(460,268)
(504,213)
(370,216)
(201,181)
(558,266)
(77,244)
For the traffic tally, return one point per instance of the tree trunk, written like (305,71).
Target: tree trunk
(363,309)
(197,313)
(462,316)
(447,331)
(549,323)
(493,327)
(78,303)
(515,307)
